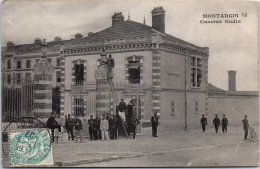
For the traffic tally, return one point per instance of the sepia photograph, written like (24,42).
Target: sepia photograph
(129,83)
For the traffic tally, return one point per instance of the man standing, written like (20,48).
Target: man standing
(245,127)
(104,128)
(97,126)
(52,124)
(155,122)
(113,127)
(203,122)
(78,129)
(216,123)
(224,123)
(116,126)
(110,65)
(69,124)
(122,106)
(91,127)
(134,123)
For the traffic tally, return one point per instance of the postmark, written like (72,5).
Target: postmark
(30,147)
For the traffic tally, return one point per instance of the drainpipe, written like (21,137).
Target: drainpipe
(185,94)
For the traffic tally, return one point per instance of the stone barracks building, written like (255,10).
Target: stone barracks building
(154,69)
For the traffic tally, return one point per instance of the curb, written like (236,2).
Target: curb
(116,157)
(96,160)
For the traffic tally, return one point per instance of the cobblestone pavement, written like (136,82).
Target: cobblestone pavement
(171,149)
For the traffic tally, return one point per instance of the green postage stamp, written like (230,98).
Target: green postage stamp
(30,147)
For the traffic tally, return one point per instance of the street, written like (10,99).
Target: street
(219,155)
(173,149)
(191,148)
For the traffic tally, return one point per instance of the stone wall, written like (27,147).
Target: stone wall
(235,108)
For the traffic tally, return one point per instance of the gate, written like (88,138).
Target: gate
(17,100)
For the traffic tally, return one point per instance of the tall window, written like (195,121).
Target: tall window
(18,78)
(28,64)
(79,74)
(28,77)
(79,107)
(8,78)
(196,74)
(134,71)
(58,62)
(58,76)
(9,64)
(19,64)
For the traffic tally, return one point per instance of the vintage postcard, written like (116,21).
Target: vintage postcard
(120,83)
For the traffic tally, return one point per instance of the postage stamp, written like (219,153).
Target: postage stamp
(30,147)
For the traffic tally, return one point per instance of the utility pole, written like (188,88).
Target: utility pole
(185,94)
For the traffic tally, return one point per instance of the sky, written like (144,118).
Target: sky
(232,46)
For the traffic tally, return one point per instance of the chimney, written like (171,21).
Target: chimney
(78,36)
(158,19)
(117,18)
(57,39)
(37,41)
(10,45)
(232,80)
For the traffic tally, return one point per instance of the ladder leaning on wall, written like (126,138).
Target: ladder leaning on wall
(117,103)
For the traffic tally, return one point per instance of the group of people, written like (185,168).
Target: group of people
(73,126)
(216,123)
(103,129)
(224,124)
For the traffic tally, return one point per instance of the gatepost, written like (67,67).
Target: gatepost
(103,87)
(43,70)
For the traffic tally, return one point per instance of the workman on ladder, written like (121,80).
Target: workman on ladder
(110,66)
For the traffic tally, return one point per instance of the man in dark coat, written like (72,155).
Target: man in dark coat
(69,124)
(134,123)
(224,124)
(155,122)
(78,129)
(110,62)
(110,66)
(113,127)
(245,127)
(203,122)
(216,123)
(122,106)
(97,133)
(91,127)
(52,124)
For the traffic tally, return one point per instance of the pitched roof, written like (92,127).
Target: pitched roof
(211,87)
(130,29)
(35,48)
(125,30)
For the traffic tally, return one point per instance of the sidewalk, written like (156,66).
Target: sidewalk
(89,152)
